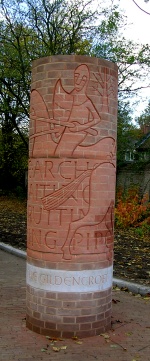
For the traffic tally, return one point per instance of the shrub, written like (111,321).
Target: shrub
(131,209)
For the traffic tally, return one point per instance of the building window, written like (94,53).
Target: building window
(129,156)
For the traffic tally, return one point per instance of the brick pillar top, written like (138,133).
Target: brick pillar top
(74,59)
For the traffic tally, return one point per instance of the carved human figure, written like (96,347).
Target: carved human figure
(74,115)
(82,113)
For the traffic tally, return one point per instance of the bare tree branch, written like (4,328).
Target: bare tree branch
(141,8)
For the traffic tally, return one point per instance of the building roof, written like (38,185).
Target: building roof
(144,143)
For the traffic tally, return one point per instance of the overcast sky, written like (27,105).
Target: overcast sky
(139,31)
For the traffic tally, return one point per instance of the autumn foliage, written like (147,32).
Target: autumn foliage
(132,210)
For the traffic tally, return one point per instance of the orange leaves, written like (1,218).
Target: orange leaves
(131,209)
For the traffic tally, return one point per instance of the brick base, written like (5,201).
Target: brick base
(68,315)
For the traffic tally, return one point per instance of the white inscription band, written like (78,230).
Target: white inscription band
(69,281)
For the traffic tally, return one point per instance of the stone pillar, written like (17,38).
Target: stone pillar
(71,194)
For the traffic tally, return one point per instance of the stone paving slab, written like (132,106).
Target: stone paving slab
(128,340)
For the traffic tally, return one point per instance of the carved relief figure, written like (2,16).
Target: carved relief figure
(74,115)
(105,86)
(98,208)
(72,131)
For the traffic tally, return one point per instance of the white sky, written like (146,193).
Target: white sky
(139,31)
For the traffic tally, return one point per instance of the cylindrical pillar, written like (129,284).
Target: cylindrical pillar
(71,194)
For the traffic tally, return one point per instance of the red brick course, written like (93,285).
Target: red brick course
(78,313)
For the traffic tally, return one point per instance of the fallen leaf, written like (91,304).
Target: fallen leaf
(115,301)
(116,288)
(124,289)
(116,321)
(113,346)
(56,349)
(79,342)
(146,298)
(63,347)
(43,349)
(128,333)
(105,335)
(54,339)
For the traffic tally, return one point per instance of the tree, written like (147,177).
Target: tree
(131,137)
(61,27)
(133,60)
(146,1)
(14,104)
(34,29)
(128,133)
(13,160)
(31,29)
(144,119)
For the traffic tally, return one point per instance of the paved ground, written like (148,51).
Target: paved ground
(129,339)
